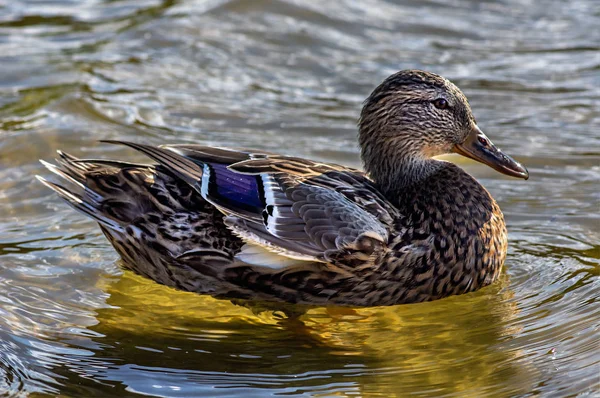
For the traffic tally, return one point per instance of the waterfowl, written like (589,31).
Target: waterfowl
(256,225)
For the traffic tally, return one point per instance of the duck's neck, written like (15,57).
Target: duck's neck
(395,175)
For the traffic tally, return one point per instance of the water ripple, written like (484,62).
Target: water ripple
(289,76)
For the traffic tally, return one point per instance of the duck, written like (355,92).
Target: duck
(255,225)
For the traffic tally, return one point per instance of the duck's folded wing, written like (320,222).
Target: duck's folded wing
(314,209)
(310,222)
(293,207)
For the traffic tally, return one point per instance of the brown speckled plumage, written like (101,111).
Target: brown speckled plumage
(412,229)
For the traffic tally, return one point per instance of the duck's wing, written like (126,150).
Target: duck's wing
(294,207)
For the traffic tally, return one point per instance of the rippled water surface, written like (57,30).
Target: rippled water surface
(290,76)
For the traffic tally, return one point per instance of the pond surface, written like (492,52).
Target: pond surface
(290,76)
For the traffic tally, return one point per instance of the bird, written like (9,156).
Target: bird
(255,225)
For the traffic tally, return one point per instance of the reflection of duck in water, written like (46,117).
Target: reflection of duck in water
(460,344)
(237,223)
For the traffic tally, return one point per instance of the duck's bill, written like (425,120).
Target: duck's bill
(478,147)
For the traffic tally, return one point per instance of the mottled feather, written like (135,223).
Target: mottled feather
(239,223)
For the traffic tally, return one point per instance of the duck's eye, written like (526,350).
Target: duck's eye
(440,103)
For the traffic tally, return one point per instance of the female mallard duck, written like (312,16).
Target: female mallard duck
(256,225)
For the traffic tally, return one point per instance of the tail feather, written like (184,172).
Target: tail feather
(116,164)
(86,195)
(64,174)
(78,203)
(112,192)
(73,166)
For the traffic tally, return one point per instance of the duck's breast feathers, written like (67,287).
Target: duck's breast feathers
(294,207)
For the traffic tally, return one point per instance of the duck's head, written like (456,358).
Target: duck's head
(415,115)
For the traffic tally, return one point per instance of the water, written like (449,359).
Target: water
(289,76)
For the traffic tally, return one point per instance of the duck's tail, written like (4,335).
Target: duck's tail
(85,194)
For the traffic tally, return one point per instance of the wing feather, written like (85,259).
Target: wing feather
(293,207)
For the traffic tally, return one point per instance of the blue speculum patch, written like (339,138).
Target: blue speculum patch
(240,190)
